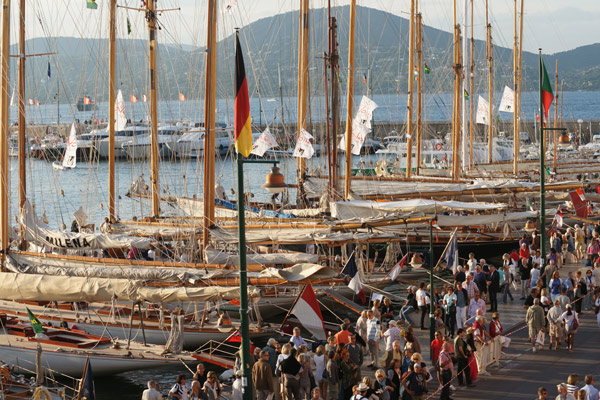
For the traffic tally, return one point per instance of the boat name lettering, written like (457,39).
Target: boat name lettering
(74,243)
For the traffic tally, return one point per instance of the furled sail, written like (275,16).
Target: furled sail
(218,257)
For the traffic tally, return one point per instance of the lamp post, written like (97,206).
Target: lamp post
(274,184)
(431,303)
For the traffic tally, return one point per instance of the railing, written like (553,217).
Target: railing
(488,354)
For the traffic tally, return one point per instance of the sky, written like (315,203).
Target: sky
(553,25)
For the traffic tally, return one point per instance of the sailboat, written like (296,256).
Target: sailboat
(70,158)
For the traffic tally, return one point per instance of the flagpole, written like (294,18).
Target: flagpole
(431,305)
(292,307)
(542,170)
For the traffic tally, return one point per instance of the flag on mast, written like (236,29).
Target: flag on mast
(547,94)
(242,120)
(182,97)
(309,313)
(133,99)
(452,253)
(37,326)
(355,284)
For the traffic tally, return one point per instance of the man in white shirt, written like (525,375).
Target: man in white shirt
(391,335)
(152,393)
(591,393)
(476,304)
(296,339)
(472,262)
(421,297)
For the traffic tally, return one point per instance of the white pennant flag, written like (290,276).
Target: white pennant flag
(120,119)
(508,100)
(359,134)
(304,148)
(264,142)
(70,158)
(483,111)
(365,111)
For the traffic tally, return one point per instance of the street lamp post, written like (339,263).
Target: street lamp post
(274,184)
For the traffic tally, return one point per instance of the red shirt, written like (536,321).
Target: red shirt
(436,347)
(342,337)
(495,328)
(524,253)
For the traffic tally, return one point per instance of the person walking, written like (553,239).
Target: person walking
(421,297)
(580,291)
(493,288)
(373,335)
(535,322)
(571,320)
(555,325)
(331,374)
(463,352)
(446,368)
(462,301)
(507,281)
(262,376)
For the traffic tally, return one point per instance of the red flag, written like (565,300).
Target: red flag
(309,313)
(235,302)
(547,94)
(87,100)
(579,203)
(133,99)
(182,97)
(243,131)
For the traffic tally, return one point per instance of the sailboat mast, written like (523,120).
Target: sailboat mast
(335,104)
(472,90)
(349,102)
(209,124)
(411,79)
(280,93)
(419,137)
(457,102)
(556,119)
(111,111)
(490,59)
(516,135)
(463,87)
(151,17)
(4,123)
(22,138)
(302,91)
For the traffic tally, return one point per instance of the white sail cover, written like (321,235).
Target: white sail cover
(359,134)
(38,232)
(57,288)
(364,114)
(70,158)
(304,148)
(508,100)
(264,142)
(300,272)
(120,119)
(483,111)
(218,257)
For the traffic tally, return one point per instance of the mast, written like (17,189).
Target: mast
(327,130)
(111,112)
(556,119)
(349,101)
(4,115)
(516,134)
(463,87)
(335,104)
(457,102)
(22,138)
(302,91)
(472,91)
(208,192)
(490,59)
(151,18)
(280,93)
(409,106)
(419,137)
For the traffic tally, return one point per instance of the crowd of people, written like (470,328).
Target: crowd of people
(571,389)
(466,321)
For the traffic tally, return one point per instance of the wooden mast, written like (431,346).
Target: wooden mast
(490,59)
(457,102)
(4,115)
(411,79)
(555,162)
(516,137)
(472,90)
(463,98)
(335,103)
(111,112)
(349,102)
(208,192)
(520,69)
(302,91)
(419,137)
(22,138)
(151,18)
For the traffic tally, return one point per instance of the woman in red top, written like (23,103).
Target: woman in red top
(496,330)
(436,347)
(524,251)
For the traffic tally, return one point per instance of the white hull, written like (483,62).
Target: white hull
(119,152)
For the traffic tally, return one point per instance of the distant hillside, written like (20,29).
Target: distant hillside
(81,65)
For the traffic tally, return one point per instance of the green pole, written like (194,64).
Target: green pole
(245,332)
(542,174)
(431,305)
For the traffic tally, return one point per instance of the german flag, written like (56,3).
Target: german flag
(243,132)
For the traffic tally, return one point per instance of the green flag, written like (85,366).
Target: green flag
(37,326)
(92,4)
(547,94)
(466,95)
(427,69)
(128,26)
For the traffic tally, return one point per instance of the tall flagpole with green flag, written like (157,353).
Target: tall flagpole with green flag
(546,97)
(37,326)
(243,145)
